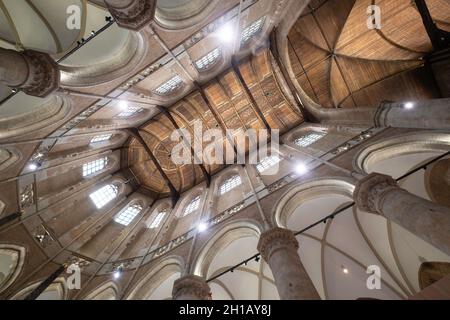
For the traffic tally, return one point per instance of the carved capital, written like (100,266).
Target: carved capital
(43,74)
(370,191)
(191,287)
(135,15)
(275,239)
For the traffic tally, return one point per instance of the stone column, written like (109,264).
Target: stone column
(380,194)
(279,248)
(35,73)
(426,114)
(132,14)
(191,288)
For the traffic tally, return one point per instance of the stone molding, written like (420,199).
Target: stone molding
(135,16)
(191,286)
(43,74)
(371,190)
(276,239)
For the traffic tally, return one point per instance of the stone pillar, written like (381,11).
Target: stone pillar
(426,114)
(380,194)
(191,288)
(35,73)
(132,14)
(279,248)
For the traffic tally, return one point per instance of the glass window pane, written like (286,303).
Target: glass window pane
(230,184)
(192,206)
(104,195)
(268,162)
(127,216)
(169,86)
(252,30)
(309,139)
(94,166)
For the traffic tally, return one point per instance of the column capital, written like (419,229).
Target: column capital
(135,16)
(35,73)
(369,191)
(275,239)
(191,286)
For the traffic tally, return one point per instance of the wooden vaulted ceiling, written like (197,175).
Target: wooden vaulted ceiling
(341,63)
(229,107)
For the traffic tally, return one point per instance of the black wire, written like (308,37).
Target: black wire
(331,216)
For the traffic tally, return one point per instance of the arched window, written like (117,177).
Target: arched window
(207,61)
(169,86)
(268,162)
(252,30)
(127,215)
(104,195)
(230,184)
(101,138)
(130,112)
(158,219)
(94,166)
(192,206)
(308,139)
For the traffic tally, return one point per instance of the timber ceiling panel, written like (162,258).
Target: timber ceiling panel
(228,106)
(340,62)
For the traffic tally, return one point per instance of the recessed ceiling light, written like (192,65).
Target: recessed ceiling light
(409,105)
(301,169)
(117,274)
(345,270)
(202,227)
(33,166)
(123,105)
(226,33)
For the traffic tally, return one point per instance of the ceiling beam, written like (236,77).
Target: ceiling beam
(169,116)
(253,102)
(285,74)
(175,195)
(9,218)
(440,39)
(216,117)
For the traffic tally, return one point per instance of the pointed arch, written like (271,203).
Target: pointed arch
(12,259)
(227,234)
(106,291)
(159,274)
(56,291)
(2,207)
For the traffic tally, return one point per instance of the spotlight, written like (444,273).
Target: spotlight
(123,105)
(117,274)
(301,169)
(202,227)
(345,270)
(226,33)
(409,105)
(33,166)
